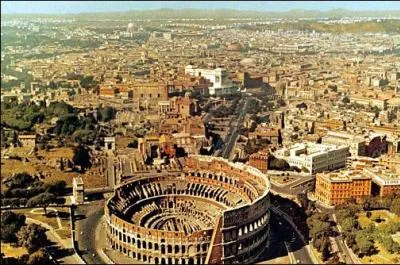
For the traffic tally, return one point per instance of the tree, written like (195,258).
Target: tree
(39,257)
(317,227)
(349,224)
(57,188)
(10,225)
(43,200)
(81,157)
(325,253)
(107,114)
(346,100)
(395,207)
(364,243)
(390,245)
(32,237)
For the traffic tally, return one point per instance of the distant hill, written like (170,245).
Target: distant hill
(167,13)
(387,26)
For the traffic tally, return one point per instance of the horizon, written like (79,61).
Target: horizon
(78,7)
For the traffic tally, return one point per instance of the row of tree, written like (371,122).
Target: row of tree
(24,189)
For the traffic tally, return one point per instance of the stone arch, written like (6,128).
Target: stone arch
(169,249)
(176,249)
(156,260)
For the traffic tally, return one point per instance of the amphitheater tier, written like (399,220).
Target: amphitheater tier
(214,211)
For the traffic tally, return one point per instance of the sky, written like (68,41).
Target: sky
(58,7)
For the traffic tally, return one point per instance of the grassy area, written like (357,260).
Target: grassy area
(382,214)
(13,251)
(383,257)
(51,219)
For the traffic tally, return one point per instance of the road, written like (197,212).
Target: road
(296,241)
(88,218)
(234,131)
(299,186)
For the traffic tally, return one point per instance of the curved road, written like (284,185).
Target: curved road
(87,219)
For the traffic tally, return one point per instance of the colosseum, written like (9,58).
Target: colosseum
(212,212)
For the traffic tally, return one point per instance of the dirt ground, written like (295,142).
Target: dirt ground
(92,178)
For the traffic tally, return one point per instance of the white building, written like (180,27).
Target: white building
(314,157)
(356,143)
(219,77)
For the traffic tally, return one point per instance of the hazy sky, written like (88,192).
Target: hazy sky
(103,6)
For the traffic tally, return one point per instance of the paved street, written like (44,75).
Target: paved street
(234,130)
(86,231)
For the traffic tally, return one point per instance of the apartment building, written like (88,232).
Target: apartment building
(335,188)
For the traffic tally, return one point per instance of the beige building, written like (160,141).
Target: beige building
(356,143)
(314,157)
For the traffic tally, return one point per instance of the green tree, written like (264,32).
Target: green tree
(107,114)
(364,243)
(32,237)
(11,223)
(39,257)
(395,207)
(325,253)
(81,157)
(42,200)
(57,188)
(349,224)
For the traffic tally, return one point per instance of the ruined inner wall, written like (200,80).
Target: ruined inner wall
(171,218)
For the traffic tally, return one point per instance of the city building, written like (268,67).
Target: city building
(356,143)
(28,140)
(385,178)
(221,84)
(313,158)
(335,188)
(259,160)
